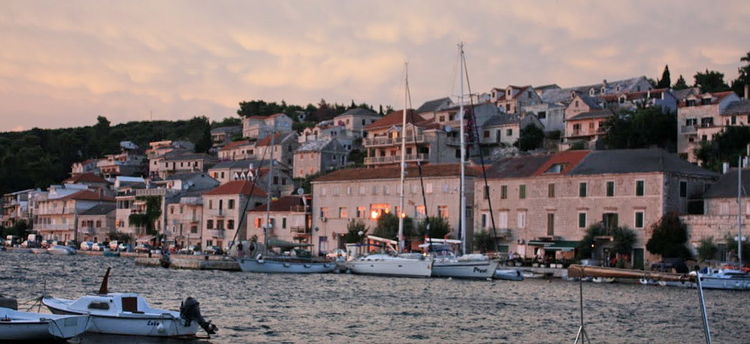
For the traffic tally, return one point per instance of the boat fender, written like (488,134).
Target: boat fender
(190,311)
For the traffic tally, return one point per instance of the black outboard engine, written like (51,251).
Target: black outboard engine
(190,310)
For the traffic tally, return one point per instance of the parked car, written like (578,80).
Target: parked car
(143,248)
(87,245)
(123,247)
(187,250)
(213,250)
(97,247)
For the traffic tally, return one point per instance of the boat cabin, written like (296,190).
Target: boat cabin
(112,304)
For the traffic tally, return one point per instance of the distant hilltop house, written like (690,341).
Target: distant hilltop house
(700,117)
(258,127)
(222,135)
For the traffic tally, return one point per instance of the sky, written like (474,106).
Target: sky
(63,63)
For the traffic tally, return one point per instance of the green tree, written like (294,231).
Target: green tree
(707,249)
(680,84)
(227,122)
(148,219)
(483,241)
(641,128)
(387,226)
(665,81)
(531,137)
(669,238)
(120,237)
(356,232)
(439,227)
(710,81)
(738,85)
(623,239)
(726,146)
(356,157)
(732,246)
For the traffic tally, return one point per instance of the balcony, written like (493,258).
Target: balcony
(299,209)
(387,141)
(395,159)
(87,230)
(215,233)
(299,230)
(688,129)
(53,227)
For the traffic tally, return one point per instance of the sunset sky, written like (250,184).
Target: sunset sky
(62,63)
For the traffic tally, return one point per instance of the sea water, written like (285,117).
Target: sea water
(344,308)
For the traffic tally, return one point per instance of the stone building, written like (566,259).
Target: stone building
(289,217)
(319,156)
(701,117)
(223,208)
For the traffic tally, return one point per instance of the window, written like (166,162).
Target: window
(638,219)
(522,191)
(683,189)
(502,219)
(509,132)
(442,211)
(193,229)
(230,204)
(582,220)
(361,212)
(209,224)
(258,222)
(551,190)
(486,192)
(323,212)
(521,219)
(551,224)
(283,222)
(639,187)
(610,189)
(342,213)
(503,192)
(541,115)
(420,211)
(582,188)
(219,224)
(210,204)
(230,224)
(484,220)
(486,133)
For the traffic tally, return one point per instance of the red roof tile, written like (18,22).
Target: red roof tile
(266,141)
(87,195)
(85,178)
(235,144)
(235,188)
(286,203)
(396,118)
(568,159)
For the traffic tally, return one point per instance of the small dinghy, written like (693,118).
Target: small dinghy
(27,326)
(61,250)
(130,314)
(509,274)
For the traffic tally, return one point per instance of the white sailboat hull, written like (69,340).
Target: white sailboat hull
(277,266)
(464,269)
(728,280)
(391,266)
(25,326)
(165,324)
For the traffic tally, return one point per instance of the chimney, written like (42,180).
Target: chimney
(724,167)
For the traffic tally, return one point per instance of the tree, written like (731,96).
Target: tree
(356,157)
(227,122)
(387,226)
(738,85)
(439,227)
(680,84)
(531,138)
(483,241)
(356,232)
(710,81)
(153,211)
(120,237)
(726,146)
(732,247)
(707,249)
(669,237)
(623,239)
(665,81)
(641,128)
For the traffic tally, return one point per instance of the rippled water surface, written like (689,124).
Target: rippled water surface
(342,308)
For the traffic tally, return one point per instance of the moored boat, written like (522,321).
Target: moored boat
(275,264)
(407,265)
(27,326)
(509,274)
(729,279)
(61,250)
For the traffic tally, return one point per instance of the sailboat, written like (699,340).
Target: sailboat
(395,263)
(447,264)
(263,260)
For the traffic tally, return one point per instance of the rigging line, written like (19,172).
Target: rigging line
(424,201)
(475,128)
(252,189)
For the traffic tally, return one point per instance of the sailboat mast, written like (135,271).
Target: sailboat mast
(739,210)
(268,191)
(462,203)
(401,212)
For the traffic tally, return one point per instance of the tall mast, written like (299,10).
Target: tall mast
(739,210)
(268,191)
(401,212)
(462,203)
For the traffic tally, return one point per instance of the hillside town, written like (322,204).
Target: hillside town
(533,203)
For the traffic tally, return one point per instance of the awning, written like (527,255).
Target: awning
(556,245)
(285,244)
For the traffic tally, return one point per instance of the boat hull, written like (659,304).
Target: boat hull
(164,325)
(509,274)
(464,269)
(62,251)
(274,266)
(708,282)
(24,326)
(392,267)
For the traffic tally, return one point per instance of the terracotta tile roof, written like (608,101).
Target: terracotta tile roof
(85,178)
(396,118)
(234,144)
(592,114)
(393,172)
(634,95)
(516,167)
(235,188)
(568,160)
(277,139)
(286,203)
(716,97)
(87,195)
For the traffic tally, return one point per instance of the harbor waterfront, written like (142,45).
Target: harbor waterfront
(347,308)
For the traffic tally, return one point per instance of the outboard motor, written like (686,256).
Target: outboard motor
(190,311)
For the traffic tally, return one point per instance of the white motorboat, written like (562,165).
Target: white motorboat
(130,314)
(27,326)
(405,265)
(729,279)
(509,274)
(61,250)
